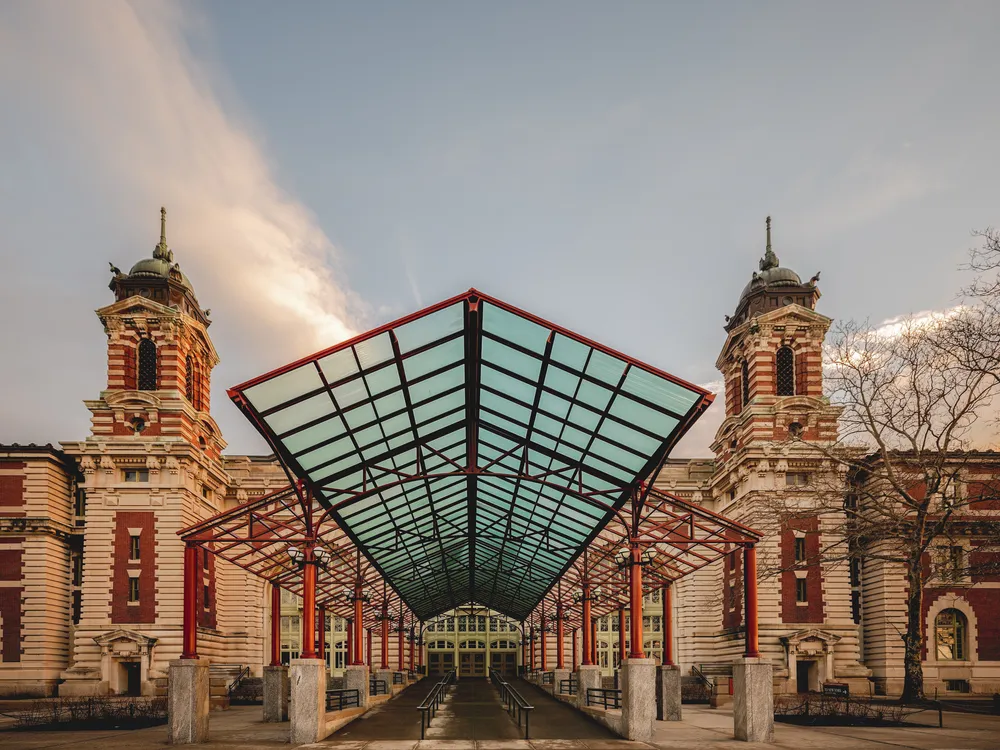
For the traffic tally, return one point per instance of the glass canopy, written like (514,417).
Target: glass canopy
(471,450)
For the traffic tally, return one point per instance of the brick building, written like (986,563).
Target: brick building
(91,566)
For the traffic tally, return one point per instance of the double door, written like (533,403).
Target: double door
(472,664)
(440,662)
(504,662)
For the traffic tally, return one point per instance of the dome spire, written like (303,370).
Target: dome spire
(770,260)
(161,251)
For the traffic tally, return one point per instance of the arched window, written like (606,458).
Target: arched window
(147,365)
(951,634)
(189,378)
(784,365)
(746,383)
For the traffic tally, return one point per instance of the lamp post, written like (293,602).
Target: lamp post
(586,597)
(357,596)
(633,558)
(308,558)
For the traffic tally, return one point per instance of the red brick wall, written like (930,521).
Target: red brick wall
(986,604)
(121,610)
(10,614)
(732,593)
(791,610)
(11,488)
(984,495)
(131,371)
(10,563)
(985,564)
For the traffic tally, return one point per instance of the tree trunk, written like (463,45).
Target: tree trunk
(913,670)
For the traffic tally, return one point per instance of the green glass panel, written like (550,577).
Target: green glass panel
(605,368)
(339,365)
(360,415)
(318,433)
(594,395)
(508,408)
(437,384)
(284,387)
(584,418)
(632,438)
(442,355)
(430,327)
(350,393)
(633,412)
(514,328)
(314,458)
(512,387)
(659,391)
(301,413)
(383,379)
(374,351)
(511,359)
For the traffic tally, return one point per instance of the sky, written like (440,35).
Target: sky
(328,167)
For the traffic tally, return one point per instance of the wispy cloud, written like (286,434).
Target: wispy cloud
(133,92)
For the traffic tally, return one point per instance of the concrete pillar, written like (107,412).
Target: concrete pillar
(587,676)
(753,700)
(638,684)
(356,678)
(386,676)
(188,702)
(308,709)
(668,693)
(276,693)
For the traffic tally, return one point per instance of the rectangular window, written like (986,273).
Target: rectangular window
(462,624)
(206,492)
(800,549)
(133,590)
(482,624)
(80,502)
(78,569)
(134,548)
(796,479)
(951,562)
(801,594)
(136,475)
(207,596)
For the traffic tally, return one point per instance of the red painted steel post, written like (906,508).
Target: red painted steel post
(308,606)
(359,636)
(321,640)
(668,625)
(635,603)
(621,634)
(400,645)
(560,637)
(543,647)
(750,590)
(586,625)
(350,641)
(190,642)
(275,625)
(576,661)
(384,641)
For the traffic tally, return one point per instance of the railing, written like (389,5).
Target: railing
(513,701)
(338,700)
(244,672)
(398,678)
(377,687)
(433,701)
(569,687)
(604,698)
(702,678)
(548,678)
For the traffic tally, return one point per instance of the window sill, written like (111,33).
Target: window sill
(132,604)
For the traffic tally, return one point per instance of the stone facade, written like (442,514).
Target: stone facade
(91,565)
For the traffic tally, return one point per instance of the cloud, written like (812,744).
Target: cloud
(695,444)
(136,101)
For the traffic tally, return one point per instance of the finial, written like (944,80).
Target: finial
(161,251)
(163,227)
(770,260)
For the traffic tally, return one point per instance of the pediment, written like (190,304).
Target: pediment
(812,634)
(123,636)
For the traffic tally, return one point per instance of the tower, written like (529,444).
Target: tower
(769,455)
(150,466)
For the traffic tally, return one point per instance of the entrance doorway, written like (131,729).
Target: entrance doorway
(133,678)
(805,672)
(472,664)
(504,662)
(440,662)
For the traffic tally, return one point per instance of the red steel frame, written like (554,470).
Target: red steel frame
(258,534)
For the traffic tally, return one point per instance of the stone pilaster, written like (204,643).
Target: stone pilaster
(356,678)
(587,676)
(753,700)
(668,693)
(188,702)
(276,693)
(308,709)
(638,685)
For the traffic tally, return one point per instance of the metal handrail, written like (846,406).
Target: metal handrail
(568,686)
(513,701)
(602,697)
(433,702)
(244,672)
(377,687)
(548,678)
(338,700)
(398,678)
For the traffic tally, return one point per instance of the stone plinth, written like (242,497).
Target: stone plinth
(587,676)
(276,693)
(668,693)
(308,709)
(637,678)
(356,678)
(753,700)
(386,676)
(188,702)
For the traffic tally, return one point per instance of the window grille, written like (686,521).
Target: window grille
(801,591)
(133,590)
(134,548)
(785,371)
(147,365)
(746,383)
(950,629)
(189,378)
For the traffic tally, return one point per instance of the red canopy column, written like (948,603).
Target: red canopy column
(402,633)
(412,639)
(560,637)
(576,661)
(385,636)
(750,592)
(275,625)
(587,625)
(543,647)
(189,648)
(668,625)
(635,602)
(308,605)
(358,640)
